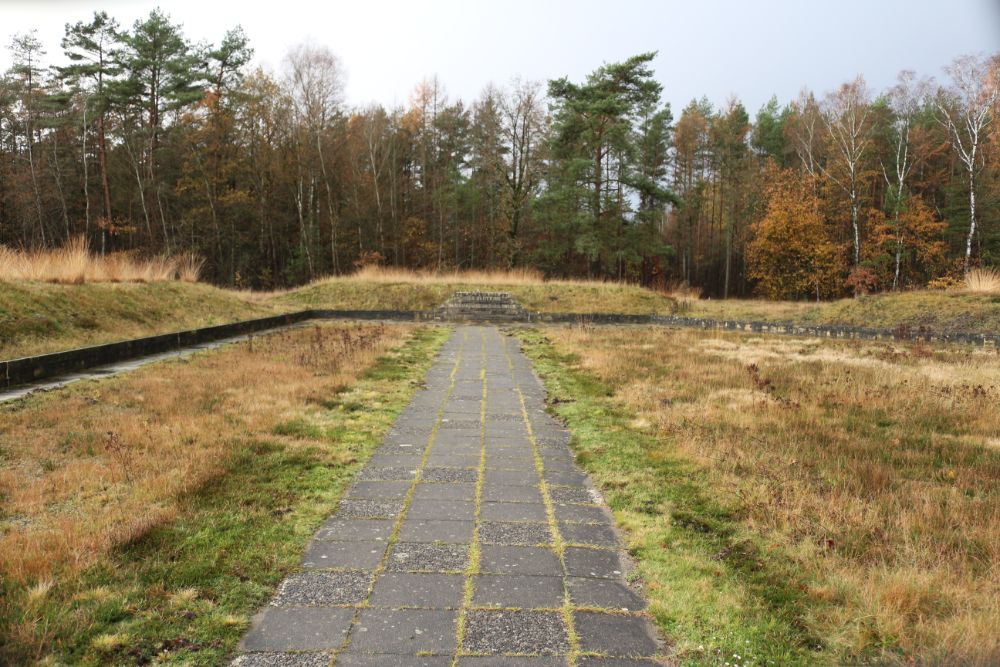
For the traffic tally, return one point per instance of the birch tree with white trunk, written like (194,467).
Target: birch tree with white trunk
(904,101)
(847,115)
(966,109)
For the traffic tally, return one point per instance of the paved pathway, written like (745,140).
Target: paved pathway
(469,536)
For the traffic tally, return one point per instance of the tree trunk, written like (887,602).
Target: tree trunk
(972,211)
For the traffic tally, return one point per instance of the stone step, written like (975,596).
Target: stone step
(482,306)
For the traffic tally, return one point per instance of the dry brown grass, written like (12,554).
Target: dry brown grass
(74,264)
(519,276)
(873,467)
(98,464)
(983,281)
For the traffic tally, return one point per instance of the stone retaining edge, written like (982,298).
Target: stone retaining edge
(29,369)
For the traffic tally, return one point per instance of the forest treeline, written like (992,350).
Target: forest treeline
(138,139)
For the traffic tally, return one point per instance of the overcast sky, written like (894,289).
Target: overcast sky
(748,48)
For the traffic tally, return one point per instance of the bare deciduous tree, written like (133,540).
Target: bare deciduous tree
(904,100)
(847,116)
(315,78)
(522,124)
(967,109)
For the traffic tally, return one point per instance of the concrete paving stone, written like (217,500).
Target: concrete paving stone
(566,477)
(511,494)
(358,555)
(400,446)
(518,590)
(600,563)
(556,453)
(499,632)
(379,490)
(603,593)
(559,465)
(442,458)
(613,635)
(582,514)
(455,510)
(525,464)
(363,508)
(452,434)
(501,454)
(511,661)
(415,437)
(393,473)
(500,511)
(443,491)
(406,589)
(355,530)
(406,458)
(323,588)
(507,435)
(404,631)
(449,475)
(386,660)
(281,629)
(510,450)
(428,557)
(497,559)
(512,477)
(457,424)
(271,659)
(571,494)
(599,535)
(504,417)
(514,533)
(433,530)
(470,448)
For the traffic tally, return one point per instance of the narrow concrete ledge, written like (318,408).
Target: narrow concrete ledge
(32,369)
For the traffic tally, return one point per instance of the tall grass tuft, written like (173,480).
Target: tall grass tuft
(983,280)
(518,276)
(74,264)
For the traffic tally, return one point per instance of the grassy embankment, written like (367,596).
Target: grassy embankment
(406,290)
(795,501)
(143,523)
(38,317)
(940,311)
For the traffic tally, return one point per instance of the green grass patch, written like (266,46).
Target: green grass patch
(184,593)
(714,591)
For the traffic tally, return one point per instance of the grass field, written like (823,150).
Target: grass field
(141,523)
(795,501)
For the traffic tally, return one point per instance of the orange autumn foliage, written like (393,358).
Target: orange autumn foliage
(793,254)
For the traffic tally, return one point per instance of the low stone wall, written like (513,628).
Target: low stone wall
(29,369)
(783,328)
